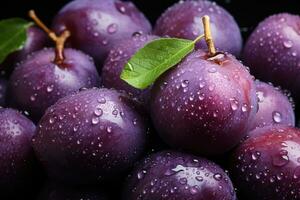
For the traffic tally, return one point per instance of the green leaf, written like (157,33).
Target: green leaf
(154,59)
(12,36)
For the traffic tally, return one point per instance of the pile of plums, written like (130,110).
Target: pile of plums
(71,129)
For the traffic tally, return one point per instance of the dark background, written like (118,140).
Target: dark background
(247,12)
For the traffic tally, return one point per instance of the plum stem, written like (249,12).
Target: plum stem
(208,36)
(59,41)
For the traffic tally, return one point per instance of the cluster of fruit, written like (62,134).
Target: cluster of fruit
(69,111)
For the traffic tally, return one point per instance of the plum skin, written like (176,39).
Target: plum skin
(273,107)
(204,106)
(175,176)
(90,136)
(17,160)
(266,166)
(97,25)
(37,83)
(273,52)
(118,56)
(183,20)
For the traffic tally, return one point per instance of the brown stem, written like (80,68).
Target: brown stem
(208,36)
(59,41)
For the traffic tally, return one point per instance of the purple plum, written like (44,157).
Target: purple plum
(183,20)
(116,60)
(177,176)
(266,166)
(273,107)
(90,136)
(273,52)
(38,82)
(205,104)
(17,160)
(97,25)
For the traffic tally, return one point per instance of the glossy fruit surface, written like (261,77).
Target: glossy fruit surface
(273,107)
(16,154)
(97,25)
(93,135)
(116,60)
(273,52)
(176,176)
(184,20)
(266,166)
(204,105)
(38,82)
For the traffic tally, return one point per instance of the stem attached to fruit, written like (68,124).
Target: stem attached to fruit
(208,36)
(59,41)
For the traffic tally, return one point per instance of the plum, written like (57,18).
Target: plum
(17,160)
(3,87)
(266,166)
(90,136)
(97,25)
(39,82)
(116,60)
(274,107)
(183,20)
(273,52)
(205,104)
(56,191)
(176,176)
(36,40)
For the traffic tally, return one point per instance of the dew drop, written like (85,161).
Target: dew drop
(98,112)
(185,83)
(234,104)
(112,28)
(288,44)
(50,88)
(95,120)
(277,117)
(218,177)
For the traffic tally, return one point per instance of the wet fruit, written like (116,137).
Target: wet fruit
(183,20)
(266,166)
(90,136)
(17,161)
(39,82)
(205,104)
(273,107)
(177,176)
(273,54)
(97,25)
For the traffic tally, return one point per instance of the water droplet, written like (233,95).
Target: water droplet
(244,108)
(112,28)
(32,98)
(98,112)
(288,44)
(277,117)
(109,129)
(95,120)
(50,88)
(51,120)
(141,174)
(185,83)
(260,96)
(212,70)
(280,160)
(218,177)
(183,181)
(199,178)
(234,104)
(255,155)
(102,100)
